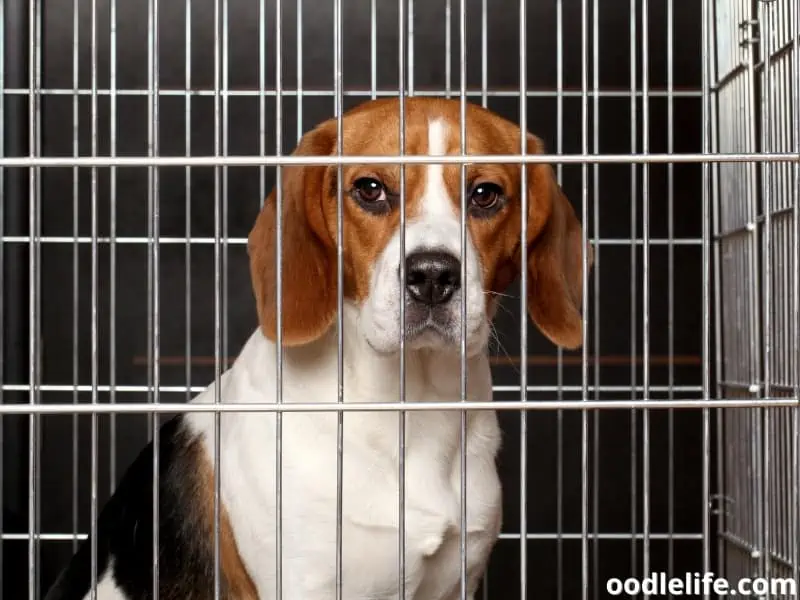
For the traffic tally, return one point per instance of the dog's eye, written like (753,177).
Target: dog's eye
(369,190)
(485,196)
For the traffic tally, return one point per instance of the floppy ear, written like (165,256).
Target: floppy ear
(555,257)
(308,266)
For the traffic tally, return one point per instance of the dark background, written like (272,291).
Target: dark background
(616,199)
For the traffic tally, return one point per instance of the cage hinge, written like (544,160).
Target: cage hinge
(718,504)
(749,32)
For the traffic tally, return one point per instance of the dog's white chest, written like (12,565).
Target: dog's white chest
(366,531)
(370,522)
(433,520)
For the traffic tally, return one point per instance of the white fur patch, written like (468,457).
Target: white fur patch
(106,588)
(436,202)
(437,227)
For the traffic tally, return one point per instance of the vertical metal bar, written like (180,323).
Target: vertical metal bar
(339,110)
(225,137)
(743,136)
(94,302)
(765,38)
(75,263)
(719,296)
(410,61)
(671,283)
(373,49)
(757,369)
(633,289)
(278,288)
(2,259)
(787,527)
(559,351)
(795,479)
(584,304)
(226,97)
(149,214)
(448,47)
(15,72)
(793,345)
(645,292)
(484,104)
(596,207)
(484,53)
(299,70)
(749,348)
(262,120)
(781,133)
(187,125)
(112,247)
(706,138)
(218,301)
(34,287)
(523,341)
(401,78)
(154,257)
(462,28)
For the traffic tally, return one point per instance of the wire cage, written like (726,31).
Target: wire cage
(140,138)
(755,110)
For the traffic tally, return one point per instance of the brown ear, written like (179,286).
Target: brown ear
(308,261)
(555,257)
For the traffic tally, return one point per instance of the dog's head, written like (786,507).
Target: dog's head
(434,285)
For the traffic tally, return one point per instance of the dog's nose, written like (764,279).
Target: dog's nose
(432,277)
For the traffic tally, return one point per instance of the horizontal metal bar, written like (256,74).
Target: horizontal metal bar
(739,385)
(65,239)
(416,159)
(752,551)
(775,56)
(604,536)
(182,389)
(333,407)
(729,77)
(254,93)
(605,360)
(122,389)
(756,387)
(69,537)
(45,537)
(751,226)
(660,389)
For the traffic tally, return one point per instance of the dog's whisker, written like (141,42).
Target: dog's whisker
(493,334)
(507,310)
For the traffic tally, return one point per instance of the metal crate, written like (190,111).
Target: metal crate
(140,137)
(755,110)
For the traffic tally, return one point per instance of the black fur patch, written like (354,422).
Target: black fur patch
(125,529)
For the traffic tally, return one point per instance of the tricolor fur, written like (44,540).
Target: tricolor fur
(371,326)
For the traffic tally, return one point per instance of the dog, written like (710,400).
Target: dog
(434,286)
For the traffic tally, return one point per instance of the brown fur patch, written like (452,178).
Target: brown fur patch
(236,580)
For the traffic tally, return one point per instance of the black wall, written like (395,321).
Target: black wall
(615,346)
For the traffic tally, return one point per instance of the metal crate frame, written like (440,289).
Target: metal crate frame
(754,103)
(750,190)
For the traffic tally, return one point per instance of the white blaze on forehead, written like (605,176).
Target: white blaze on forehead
(436,202)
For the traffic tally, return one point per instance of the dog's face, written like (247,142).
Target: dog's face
(434,283)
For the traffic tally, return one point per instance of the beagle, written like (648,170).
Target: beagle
(434,287)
